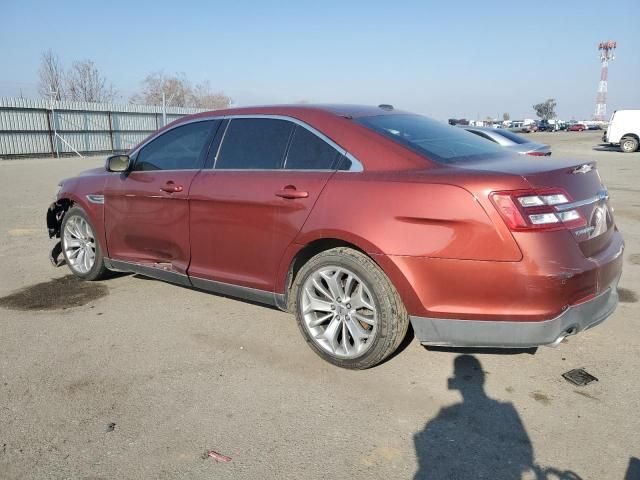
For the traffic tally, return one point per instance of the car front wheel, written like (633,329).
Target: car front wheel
(347,309)
(80,247)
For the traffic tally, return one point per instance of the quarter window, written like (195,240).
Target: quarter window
(254,144)
(180,148)
(310,152)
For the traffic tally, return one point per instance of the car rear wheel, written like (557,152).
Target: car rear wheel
(80,247)
(347,309)
(628,144)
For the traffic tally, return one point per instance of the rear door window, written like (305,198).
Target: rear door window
(254,144)
(310,152)
(181,148)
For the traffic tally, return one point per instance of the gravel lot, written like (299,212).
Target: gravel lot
(134,378)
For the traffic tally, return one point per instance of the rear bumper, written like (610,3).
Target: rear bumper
(508,334)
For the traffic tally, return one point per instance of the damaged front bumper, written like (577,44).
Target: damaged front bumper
(55,214)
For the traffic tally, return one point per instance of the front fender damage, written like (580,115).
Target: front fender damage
(55,214)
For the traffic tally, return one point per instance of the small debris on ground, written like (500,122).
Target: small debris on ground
(111,427)
(579,377)
(218,457)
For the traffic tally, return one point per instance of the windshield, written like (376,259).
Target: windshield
(437,141)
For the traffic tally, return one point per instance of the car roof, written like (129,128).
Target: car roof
(334,122)
(302,110)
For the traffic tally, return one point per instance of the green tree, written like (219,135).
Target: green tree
(546,109)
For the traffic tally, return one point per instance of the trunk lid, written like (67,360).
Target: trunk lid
(580,180)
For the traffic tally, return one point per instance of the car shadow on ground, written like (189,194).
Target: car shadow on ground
(479,437)
(605,147)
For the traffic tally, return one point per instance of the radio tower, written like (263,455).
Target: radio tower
(606,53)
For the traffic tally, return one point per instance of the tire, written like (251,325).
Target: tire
(356,344)
(79,245)
(628,144)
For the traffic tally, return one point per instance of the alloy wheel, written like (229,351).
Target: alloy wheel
(339,311)
(79,244)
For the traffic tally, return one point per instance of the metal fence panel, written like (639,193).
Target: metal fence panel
(21,120)
(135,121)
(127,140)
(80,121)
(14,144)
(30,126)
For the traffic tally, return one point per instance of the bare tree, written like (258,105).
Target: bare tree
(178,92)
(506,117)
(203,97)
(85,83)
(546,109)
(51,76)
(176,89)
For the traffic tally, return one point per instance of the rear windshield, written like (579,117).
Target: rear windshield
(437,141)
(512,136)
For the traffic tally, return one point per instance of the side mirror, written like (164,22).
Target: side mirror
(118,163)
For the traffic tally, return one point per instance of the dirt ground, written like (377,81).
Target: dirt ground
(134,378)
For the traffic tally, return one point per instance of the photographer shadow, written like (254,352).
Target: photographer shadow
(479,438)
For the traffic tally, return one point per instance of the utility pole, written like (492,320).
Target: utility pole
(53,96)
(606,50)
(164,106)
(164,110)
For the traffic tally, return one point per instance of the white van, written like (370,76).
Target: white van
(624,130)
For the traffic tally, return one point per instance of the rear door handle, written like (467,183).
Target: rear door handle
(290,192)
(171,187)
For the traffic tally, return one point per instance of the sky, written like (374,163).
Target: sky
(445,59)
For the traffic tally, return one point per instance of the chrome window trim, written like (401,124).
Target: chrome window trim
(602,195)
(356,165)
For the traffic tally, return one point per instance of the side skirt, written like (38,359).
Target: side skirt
(245,293)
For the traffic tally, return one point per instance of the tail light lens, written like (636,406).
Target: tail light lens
(538,154)
(536,209)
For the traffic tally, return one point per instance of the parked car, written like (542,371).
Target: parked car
(594,126)
(511,141)
(358,220)
(544,126)
(624,130)
(577,127)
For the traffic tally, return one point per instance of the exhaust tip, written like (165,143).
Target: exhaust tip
(569,331)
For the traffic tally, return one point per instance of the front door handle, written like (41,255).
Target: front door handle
(171,187)
(290,192)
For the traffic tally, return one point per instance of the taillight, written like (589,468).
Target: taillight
(539,154)
(536,209)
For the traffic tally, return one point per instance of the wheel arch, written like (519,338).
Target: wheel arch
(300,254)
(67,200)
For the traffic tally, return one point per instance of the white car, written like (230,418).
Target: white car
(624,130)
